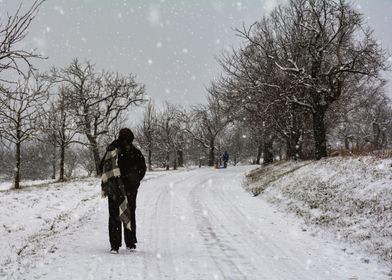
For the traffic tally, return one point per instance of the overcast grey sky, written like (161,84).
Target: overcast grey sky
(169,44)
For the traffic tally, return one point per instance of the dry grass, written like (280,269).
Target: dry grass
(381,154)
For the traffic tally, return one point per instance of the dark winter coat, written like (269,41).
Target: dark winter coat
(226,156)
(131,163)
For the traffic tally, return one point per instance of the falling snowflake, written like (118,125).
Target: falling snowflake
(154,15)
(59,10)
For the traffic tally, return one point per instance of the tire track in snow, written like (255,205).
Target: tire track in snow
(252,247)
(228,237)
(214,242)
(160,258)
(201,231)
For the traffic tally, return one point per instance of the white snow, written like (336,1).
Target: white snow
(26,183)
(349,198)
(198,224)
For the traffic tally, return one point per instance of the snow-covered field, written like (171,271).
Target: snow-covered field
(7,185)
(198,224)
(349,198)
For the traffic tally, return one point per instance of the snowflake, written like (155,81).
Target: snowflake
(239,6)
(59,10)
(154,15)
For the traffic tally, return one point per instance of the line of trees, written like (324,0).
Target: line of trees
(74,105)
(307,80)
(303,72)
(57,110)
(173,135)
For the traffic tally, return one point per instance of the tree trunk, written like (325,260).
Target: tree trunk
(211,154)
(17,166)
(259,151)
(149,160)
(320,138)
(268,156)
(95,150)
(167,160)
(175,160)
(62,160)
(293,146)
(54,162)
(290,152)
(180,158)
(62,143)
(346,143)
(376,136)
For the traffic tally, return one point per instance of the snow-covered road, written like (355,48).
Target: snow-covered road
(197,224)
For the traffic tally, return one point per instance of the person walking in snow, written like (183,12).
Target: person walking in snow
(225,158)
(123,167)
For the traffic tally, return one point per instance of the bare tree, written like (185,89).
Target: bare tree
(323,46)
(146,132)
(295,64)
(22,104)
(85,160)
(48,126)
(205,123)
(60,126)
(251,93)
(361,122)
(13,30)
(99,99)
(170,134)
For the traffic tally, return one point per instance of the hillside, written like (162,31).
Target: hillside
(349,197)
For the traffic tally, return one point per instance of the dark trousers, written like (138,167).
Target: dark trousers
(115,223)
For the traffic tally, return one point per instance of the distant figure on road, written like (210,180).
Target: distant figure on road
(225,159)
(123,167)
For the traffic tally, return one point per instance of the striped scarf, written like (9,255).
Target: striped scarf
(113,185)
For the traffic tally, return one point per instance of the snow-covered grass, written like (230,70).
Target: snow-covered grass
(34,216)
(7,185)
(350,197)
(192,224)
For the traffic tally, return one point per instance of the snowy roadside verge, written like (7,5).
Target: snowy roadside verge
(348,197)
(33,218)
(8,185)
